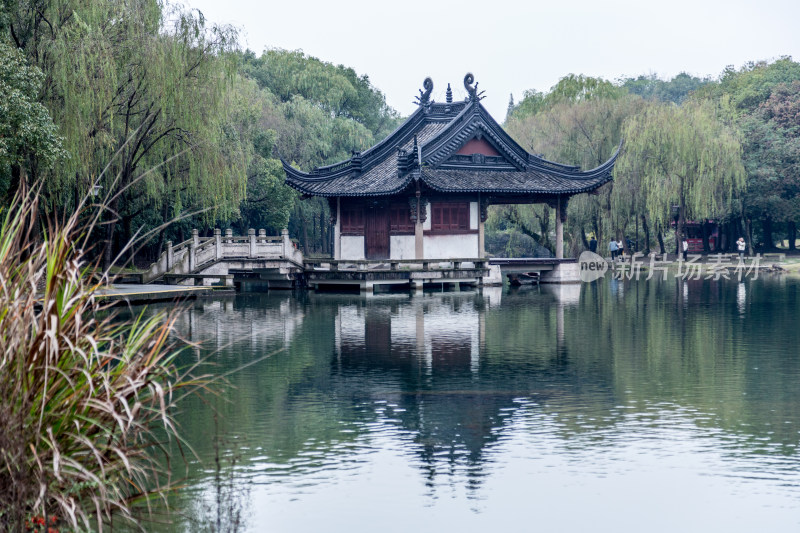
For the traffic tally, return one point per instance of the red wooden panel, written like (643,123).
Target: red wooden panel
(376,233)
(475,146)
(463,216)
(353,220)
(450,216)
(401,218)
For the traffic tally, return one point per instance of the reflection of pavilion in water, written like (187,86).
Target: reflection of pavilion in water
(441,332)
(426,356)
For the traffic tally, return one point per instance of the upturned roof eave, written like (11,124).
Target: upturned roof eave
(519,191)
(372,155)
(305,189)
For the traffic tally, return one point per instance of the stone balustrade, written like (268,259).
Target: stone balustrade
(201,253)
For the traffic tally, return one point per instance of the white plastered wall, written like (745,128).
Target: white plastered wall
(401,247)
(447,246)
(352,247)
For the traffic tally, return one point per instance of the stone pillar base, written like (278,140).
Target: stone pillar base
(495,276)
(563,273)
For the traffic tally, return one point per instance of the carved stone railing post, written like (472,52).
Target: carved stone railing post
(287,243)
(252,234)
(193,250)
(170,256)
(229,235)
(262,236)
(218,243)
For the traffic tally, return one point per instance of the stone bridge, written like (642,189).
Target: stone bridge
(269,258)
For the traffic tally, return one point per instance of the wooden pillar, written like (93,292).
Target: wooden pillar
(560,216)
(337,230)
(419,248)
(481,234)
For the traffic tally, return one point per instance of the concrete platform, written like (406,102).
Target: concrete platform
(366,280)
(132,293)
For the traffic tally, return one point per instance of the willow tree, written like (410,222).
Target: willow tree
(578,122)
(269,202)
(680,156)
(137,88)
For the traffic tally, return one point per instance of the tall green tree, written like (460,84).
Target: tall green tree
(28,138)
(675,90)
(269,203)
(739,95)
(578,122)
(772,160)
(572,88)
(335,89)
(682,156)
(320,113)
(137,89)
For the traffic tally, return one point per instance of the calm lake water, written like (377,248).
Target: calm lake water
(612,406)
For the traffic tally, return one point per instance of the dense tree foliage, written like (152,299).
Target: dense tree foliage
(772,159)
(164,113)
(757,99)
(694,149)
(132,86)
(679,156)
(157,109)
(314,113)
(27,133)
(676,90)
(578,122)
(336,90)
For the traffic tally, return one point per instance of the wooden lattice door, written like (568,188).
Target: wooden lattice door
(376,234)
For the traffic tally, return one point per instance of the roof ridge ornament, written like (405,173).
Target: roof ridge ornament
(449,95)
(424,98)
(474,95)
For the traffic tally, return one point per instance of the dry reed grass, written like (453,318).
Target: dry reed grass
(85,400)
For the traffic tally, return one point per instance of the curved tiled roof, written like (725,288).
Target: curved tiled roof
(432,136)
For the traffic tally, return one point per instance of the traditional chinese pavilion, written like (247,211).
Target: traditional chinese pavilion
(423,192)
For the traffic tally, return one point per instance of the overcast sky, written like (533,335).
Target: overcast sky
(513,46)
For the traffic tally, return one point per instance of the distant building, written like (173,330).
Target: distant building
(423,192)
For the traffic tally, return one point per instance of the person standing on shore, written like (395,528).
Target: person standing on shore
(685,248)
(612,247)
(741,246)
(593,245)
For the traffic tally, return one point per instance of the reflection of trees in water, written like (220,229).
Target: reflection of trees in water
(684,345)
(443,374)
